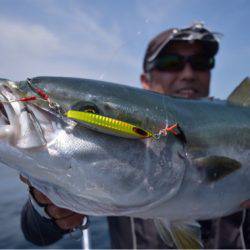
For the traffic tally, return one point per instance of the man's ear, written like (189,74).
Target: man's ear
(145,81)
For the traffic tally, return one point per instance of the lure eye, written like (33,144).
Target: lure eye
(140,131)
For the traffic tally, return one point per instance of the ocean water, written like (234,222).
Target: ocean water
(13,195)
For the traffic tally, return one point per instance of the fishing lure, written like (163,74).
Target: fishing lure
(116,127)
(108,125)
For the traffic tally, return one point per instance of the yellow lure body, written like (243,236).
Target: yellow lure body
(108,125)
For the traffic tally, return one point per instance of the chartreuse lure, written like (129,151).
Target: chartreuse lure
(109,125)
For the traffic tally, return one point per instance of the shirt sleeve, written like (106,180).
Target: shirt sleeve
(37,229)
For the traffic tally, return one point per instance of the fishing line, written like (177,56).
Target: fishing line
(45,97)
(24,99)
(241,229)
(134,239)
(115,51)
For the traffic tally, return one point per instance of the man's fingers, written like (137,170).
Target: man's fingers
(57,212)
(70,222)
(245,204)
(40,197)
(24,180)
(64,218)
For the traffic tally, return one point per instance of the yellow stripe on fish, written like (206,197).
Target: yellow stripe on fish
(109,125)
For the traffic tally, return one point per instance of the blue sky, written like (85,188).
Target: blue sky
(106,39)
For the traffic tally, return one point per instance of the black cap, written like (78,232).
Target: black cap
(196,32)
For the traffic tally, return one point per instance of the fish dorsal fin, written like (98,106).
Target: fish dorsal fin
(241,95)
(185,235)
(216,167)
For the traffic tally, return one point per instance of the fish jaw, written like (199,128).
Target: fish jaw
(25,131)
(17,123)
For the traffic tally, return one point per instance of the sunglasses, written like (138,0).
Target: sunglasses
(175,62)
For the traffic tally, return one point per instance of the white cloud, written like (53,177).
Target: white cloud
(77,44)
(22,38)
(85,32)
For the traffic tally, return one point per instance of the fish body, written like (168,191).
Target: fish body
(201,175)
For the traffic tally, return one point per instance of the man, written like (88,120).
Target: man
(177,62)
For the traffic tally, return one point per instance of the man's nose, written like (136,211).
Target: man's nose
(188,72)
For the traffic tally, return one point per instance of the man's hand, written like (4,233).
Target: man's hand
(64,218)
(245,204)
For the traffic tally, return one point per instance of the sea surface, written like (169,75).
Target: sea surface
(13,195)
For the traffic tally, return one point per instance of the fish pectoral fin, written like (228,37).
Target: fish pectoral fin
(216,167)
(164,232)
(240,96)
(184,235)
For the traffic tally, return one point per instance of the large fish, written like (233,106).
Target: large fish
(199,170)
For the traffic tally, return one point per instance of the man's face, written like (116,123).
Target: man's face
(187,83)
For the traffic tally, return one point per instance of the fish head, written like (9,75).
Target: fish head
(135,106)
(122,174)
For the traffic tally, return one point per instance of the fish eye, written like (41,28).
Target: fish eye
(91,109)
(86,107)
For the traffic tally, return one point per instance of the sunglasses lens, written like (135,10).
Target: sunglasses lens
(174,62)
(170,63)
(202,62)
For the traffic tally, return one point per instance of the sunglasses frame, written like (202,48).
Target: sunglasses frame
(183,60)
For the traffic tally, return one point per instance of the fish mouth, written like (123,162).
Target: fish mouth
(18,124)
(8,113)
(4,120)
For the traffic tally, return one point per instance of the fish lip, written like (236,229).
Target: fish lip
(4,102)
(9,109)
(3,114)
(9,126)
